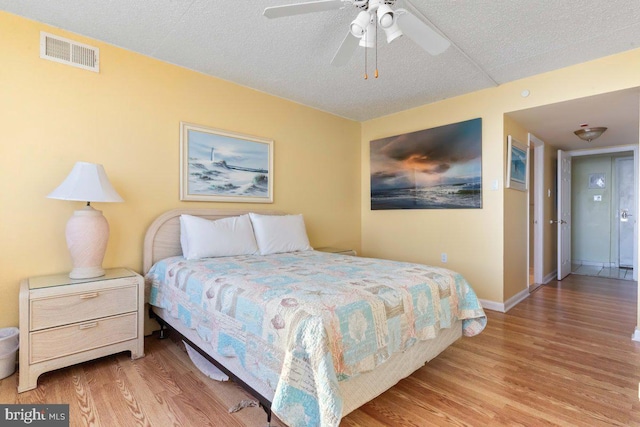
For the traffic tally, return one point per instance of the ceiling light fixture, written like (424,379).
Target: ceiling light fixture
(365,27)
(386,16)
(589,134)
(368,39)
(388,21)
(359,25)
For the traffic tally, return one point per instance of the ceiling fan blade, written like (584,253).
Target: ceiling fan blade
(300,8)
(425,36)
(346,49)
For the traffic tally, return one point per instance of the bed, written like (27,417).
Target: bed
(311,335)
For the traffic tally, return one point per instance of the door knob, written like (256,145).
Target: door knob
(624,215)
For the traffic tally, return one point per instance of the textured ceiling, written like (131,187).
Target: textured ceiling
(618,111)
(494,41)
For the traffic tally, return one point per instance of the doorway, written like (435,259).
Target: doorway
(603,240)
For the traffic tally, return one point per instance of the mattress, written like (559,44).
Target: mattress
(303,323)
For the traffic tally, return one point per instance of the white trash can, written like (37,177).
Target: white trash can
(9,343)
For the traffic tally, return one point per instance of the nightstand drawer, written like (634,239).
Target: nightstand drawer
(66,309)
(66,340)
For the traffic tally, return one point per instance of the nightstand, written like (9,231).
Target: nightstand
(65,321)
(337,250)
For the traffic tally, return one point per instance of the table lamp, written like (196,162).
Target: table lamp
(87,230)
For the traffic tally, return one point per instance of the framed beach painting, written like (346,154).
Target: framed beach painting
(517,165)
(223,166)
(437,168)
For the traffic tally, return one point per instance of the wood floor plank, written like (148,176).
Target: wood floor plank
(158,411)
(82,407)
(562,357)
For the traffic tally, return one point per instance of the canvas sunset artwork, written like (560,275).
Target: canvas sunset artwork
(438,168)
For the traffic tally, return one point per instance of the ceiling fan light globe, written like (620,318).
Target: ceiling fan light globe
(386,20)
(356,30)
(359,25)
(386,16)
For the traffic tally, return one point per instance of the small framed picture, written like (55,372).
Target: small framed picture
(597,180)
(517,165)
(223,166)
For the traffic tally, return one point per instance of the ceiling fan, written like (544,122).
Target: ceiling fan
(373,14)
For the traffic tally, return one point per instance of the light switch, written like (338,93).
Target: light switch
(597,198)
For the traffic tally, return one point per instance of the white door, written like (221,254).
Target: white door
(626,218)
(564,214)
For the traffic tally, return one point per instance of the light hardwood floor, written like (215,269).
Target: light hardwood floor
(564,357)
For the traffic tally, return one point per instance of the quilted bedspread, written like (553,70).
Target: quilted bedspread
(301,322)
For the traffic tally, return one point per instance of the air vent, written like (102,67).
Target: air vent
(65,51)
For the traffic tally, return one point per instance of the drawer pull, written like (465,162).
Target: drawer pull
(89,296)
(88,325)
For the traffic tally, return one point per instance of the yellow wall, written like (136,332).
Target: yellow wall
(127,118)
(472,238)
(549,239)
(516,263)
(475,239)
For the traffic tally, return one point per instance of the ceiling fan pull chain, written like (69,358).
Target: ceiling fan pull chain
(366,76)
(376,40)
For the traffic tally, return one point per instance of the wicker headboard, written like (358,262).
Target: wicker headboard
(163,235)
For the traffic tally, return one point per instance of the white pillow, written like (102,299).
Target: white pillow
(280,233)
(203,238)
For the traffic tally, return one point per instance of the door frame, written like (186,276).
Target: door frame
(564,222)
(538,147)
(616,170)
(611,150)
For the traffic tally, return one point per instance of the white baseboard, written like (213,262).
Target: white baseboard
(492,305)
(549,277)
(514,300)
(534,287)
(636,335)
(508,304)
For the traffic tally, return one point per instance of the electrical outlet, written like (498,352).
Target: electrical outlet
(443,257)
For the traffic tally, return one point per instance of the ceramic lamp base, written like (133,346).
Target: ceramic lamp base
(87,235)
(86,273)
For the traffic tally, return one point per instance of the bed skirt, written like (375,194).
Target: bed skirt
(356,391)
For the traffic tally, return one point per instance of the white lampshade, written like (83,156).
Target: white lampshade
(87,231)
(87,182)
